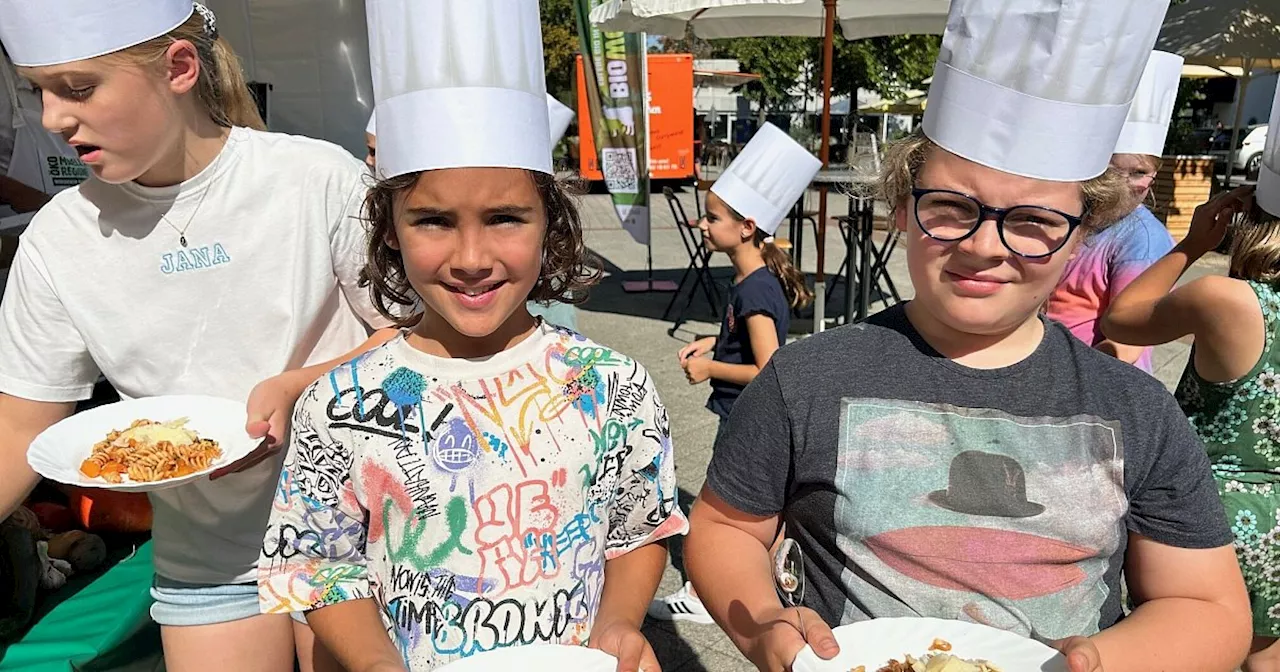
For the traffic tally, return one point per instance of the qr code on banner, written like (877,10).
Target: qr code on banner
(619,168)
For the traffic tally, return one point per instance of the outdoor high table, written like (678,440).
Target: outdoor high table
(861,256)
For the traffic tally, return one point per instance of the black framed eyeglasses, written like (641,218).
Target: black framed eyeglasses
(1028,231)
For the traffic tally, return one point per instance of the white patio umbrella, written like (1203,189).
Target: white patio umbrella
(712,19)
(1242,34)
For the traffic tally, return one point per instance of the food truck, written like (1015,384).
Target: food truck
(671,155)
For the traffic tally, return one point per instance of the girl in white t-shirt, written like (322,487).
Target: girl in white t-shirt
(205,256)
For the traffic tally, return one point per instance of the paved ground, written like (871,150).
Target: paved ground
(633,324)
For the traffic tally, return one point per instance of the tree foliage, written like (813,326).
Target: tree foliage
(780,62)
(887,65)
(786,65)
(560,48)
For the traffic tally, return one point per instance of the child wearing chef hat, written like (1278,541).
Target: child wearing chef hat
(1109,260)
(204,256)
(486,480)
(1228,387)
(961,457)
(744,209)
(560,115)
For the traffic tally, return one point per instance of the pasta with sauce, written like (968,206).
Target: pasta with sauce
(150,451)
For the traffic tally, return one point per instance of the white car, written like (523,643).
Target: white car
(1249,156)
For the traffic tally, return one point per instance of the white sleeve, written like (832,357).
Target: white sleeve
(42,356)
(349,245)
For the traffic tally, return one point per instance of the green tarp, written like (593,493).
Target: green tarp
(96,623)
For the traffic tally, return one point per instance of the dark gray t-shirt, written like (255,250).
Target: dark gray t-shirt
(919,487)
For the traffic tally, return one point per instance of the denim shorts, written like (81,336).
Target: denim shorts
(179,604)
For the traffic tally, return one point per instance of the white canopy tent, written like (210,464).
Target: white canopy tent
(315,57)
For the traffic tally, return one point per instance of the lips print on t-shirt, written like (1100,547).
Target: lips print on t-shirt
(984,516)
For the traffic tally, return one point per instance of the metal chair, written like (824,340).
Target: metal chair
(699,267)
(879,266)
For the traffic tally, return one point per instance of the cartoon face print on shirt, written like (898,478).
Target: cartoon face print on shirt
(492,494)
(981,516)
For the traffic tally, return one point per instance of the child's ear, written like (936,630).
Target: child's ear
(900,216)
(749,228)
(390,238)
(184,65)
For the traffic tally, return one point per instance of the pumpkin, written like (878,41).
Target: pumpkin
(108,511)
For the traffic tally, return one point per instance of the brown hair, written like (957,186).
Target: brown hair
(221,88)
(1105,196)
(568,270)
(779,262)
(1255,246)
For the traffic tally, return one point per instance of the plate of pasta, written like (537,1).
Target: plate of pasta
(140,445)
(931,645)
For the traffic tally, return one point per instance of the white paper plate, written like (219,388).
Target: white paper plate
(873,643)
(58,451)
(537,658)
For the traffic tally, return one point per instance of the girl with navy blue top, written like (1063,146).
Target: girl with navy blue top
(766,287)
(744,207)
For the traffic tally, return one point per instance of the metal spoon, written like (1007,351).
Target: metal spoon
(788,576)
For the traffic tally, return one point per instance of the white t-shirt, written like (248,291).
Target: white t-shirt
(268,282)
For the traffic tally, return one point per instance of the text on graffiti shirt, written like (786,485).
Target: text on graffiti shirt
(475,500)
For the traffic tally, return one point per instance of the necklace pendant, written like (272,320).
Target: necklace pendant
(183,240)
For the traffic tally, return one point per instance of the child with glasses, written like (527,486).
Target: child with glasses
(959,456)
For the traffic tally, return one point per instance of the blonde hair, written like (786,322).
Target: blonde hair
(1105,196)
(1255,247)
(221,89)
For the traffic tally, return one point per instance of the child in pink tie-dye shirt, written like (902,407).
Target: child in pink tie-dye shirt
(1108,261)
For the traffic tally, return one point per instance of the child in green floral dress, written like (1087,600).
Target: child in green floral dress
(1231,387)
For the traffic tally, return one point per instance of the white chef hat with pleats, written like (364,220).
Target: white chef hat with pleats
(561,116)
(1040,88)
(458,84)
(1147,125)
(1267,193)
(767,178)
(52,32)
(558,114)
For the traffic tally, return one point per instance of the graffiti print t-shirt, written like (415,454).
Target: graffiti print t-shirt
(920,487)
(475,500)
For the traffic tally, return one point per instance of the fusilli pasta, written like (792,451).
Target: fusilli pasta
(150,451)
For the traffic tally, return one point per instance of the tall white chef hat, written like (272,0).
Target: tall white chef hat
(1039,88)
(1148,123)
(1268,191)
(52,32)
(458,84)
(561,116)
(767,178)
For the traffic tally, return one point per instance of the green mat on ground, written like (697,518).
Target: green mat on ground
(97,623)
